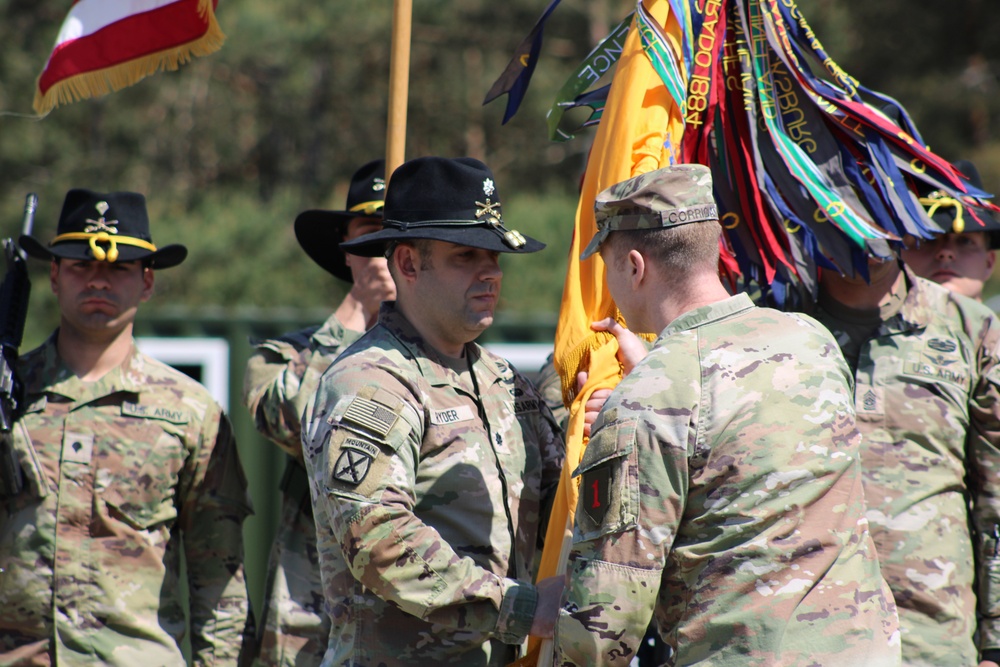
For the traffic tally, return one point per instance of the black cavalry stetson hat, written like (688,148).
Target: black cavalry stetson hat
(320,232)
(104,226)
(963,216)
(443,199)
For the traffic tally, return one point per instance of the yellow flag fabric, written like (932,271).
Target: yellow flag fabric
(639,131)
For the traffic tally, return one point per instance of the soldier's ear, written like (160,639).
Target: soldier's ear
(54,276)
(407,260)
(637,268)
(148,283)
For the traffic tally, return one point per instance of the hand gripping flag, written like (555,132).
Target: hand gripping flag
(107,45)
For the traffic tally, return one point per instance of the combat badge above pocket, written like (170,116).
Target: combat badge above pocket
(609,482)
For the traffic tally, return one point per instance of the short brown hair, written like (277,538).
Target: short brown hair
(681,248)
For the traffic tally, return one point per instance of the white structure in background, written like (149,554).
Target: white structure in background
(207,359)
(204,359)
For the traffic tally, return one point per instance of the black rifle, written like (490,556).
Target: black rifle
(14,293)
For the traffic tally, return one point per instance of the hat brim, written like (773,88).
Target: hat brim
(163,258)
(595,244)
(374,245)
(321,232)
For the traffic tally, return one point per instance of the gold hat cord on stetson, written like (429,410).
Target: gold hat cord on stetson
(367,207)
(100,254)
(937,200)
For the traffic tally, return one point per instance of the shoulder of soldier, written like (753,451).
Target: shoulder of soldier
(792,331)
(503,365)
(371,360)
(289,344)
(956,311)
(790,323)
(161,381)
(32,358)
(40,366)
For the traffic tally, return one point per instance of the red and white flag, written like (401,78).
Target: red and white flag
(107,45)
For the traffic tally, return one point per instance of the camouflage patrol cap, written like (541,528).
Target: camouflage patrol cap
(667,197)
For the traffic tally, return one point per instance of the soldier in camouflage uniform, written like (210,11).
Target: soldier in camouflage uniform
(926,366)
(429,458)
(549,386)
(281,377)
(721,490)
(129,468)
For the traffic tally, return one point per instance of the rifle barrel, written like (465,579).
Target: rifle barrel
(28,221)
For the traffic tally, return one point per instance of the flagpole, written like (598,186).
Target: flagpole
(399,82)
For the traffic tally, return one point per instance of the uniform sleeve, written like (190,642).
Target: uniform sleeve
(362,459)
(549,386)
(983,446)
(279,381)
(628,513)
(212,515)
(552,445)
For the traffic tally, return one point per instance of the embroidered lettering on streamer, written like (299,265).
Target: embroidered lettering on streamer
(459,413)
(371,415)
(155,412)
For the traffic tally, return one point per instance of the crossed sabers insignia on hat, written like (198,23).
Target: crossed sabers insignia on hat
(490,209)
(100,225)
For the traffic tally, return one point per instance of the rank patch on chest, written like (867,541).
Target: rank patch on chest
(77,447)
(868,402)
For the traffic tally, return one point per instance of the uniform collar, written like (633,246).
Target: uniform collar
(916,311)
(428,360)
(47,373)
(710,313)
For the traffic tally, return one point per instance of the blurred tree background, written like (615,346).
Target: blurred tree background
(230,147)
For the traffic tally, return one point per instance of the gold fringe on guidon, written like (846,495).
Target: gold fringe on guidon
(577,358)
(116,77)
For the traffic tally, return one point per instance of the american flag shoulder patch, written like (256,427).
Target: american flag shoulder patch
(370,415)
